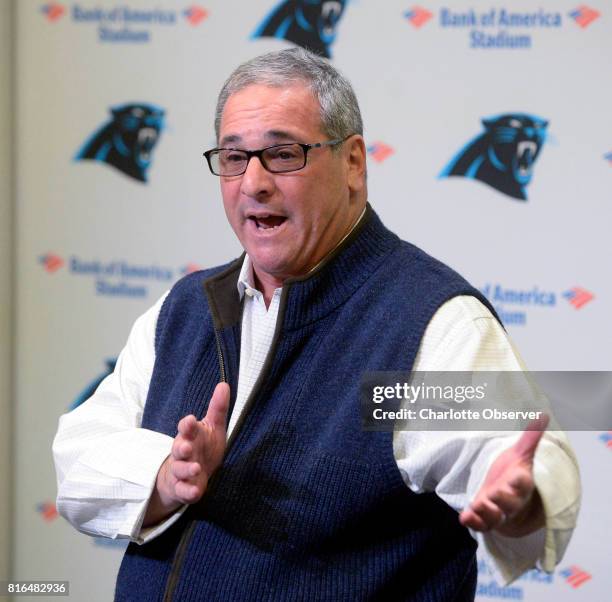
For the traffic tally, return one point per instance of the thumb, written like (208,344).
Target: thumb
(216,415)
(527,444)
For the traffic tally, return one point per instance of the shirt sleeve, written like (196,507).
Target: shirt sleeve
(106,464)
(463,335)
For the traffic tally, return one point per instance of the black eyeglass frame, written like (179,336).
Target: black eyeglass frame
(259,154)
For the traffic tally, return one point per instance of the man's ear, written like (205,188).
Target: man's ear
(355,152)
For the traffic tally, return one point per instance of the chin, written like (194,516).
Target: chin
(268,266)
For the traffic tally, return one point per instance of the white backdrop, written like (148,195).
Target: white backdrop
(96,247)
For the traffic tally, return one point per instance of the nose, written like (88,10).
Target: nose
(257,182)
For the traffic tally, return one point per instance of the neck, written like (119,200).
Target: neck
(267,283)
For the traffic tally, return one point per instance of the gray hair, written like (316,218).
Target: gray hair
(340,115)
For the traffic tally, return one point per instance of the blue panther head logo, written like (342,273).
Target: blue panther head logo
(503,155)
(127,140)
(310,24)
(90,389)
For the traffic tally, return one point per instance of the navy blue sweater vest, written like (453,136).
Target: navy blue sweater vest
(307,505)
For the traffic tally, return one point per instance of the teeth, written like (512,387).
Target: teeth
(526,145)
(262,227)
(330,7)
(267,221)
(147,135)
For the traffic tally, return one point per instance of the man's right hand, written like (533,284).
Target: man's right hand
(197,452)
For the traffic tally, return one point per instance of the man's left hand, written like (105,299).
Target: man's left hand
(508,500)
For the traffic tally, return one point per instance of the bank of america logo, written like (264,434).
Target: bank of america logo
(607,439)
(418,16)
(53,11)
(608,157)
(195,14)
(584,16)
(51,262)
(578,297)
(379,151)
(575,576)
(47,510)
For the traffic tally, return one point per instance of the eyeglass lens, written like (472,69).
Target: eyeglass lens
(286,157)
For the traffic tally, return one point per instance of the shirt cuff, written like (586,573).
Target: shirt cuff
(557,480)
(142,535)
(108,490)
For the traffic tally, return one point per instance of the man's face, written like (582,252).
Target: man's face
(286,222)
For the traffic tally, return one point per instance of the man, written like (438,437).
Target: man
(301,503)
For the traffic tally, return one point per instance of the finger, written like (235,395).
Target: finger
(216,415)
(188,427)
(517,479)
(184,471)
(470,519)
(181,449)
(522,482)
(527,444)
(488,512)
(187,493)
(509,501)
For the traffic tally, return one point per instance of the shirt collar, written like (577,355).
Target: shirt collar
(246,281)
(245,278)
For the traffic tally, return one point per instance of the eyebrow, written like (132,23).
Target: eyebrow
(273,135)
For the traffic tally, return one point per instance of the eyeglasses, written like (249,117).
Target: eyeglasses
(280,158)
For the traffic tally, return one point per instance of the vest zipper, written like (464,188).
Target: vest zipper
(220,356)
(181,549)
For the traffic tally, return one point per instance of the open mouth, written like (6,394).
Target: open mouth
(267,222)
(330,13)
(147,137)
(525,151)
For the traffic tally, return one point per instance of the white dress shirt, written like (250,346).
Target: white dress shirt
(107,464)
